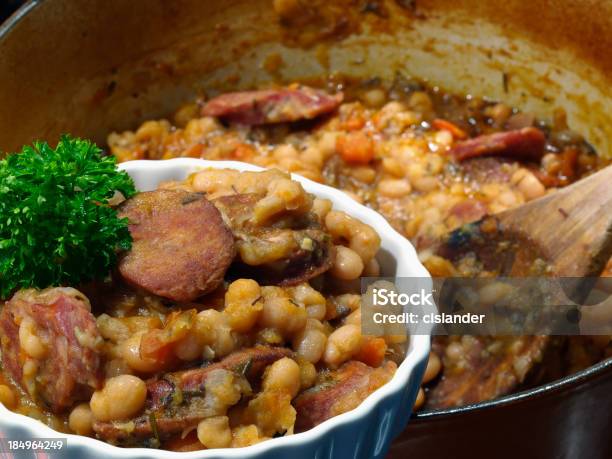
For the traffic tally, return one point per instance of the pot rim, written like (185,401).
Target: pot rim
(523,396)
(18,16)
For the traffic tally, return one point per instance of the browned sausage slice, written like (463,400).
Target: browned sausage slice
(174,401)
(251,362)
(527,143)
(342,390)
(68,368)
(181,247)
(272,105)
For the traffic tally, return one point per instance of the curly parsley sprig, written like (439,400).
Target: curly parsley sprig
(56,227)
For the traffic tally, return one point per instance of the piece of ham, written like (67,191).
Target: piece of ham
(341,391)
(469,210)
(69,367)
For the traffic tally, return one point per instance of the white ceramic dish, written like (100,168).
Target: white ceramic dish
(364,432)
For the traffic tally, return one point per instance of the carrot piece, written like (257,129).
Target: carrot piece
(158,344)
(194,151)
(547,180)
(355,147)
(353,123)
(243,152)
(444,125)
(372,351)
(569,160)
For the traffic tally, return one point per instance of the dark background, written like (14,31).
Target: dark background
(7,7)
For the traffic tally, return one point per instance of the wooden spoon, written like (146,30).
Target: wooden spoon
(567,233)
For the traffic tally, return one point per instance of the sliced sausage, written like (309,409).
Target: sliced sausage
(527,144)
(174,401)
(341,391)
(181,246)
(251,362)
(67,366)
(272,105)
(139,431)
(292,253)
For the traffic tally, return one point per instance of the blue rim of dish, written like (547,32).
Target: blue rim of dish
(528,394)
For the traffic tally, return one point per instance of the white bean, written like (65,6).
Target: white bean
(433,367)
(215,432)
(121,398)
(375,97)
(310,343)
(29,340)
(130,351)
(7,396)
(81,419)
(528,184)
(342,344)
(361,237)
(394,188)
(283,375)
(347,265)
(281,313)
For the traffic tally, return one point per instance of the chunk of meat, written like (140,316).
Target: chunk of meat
(175,401)
(270,106)
(181,249)
(292,251)
(342,390)
(486,169)
(486,369)
(527,144)
(251,362)
(67,366)
(469,210)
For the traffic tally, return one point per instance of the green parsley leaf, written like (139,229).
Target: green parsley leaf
(56,227)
